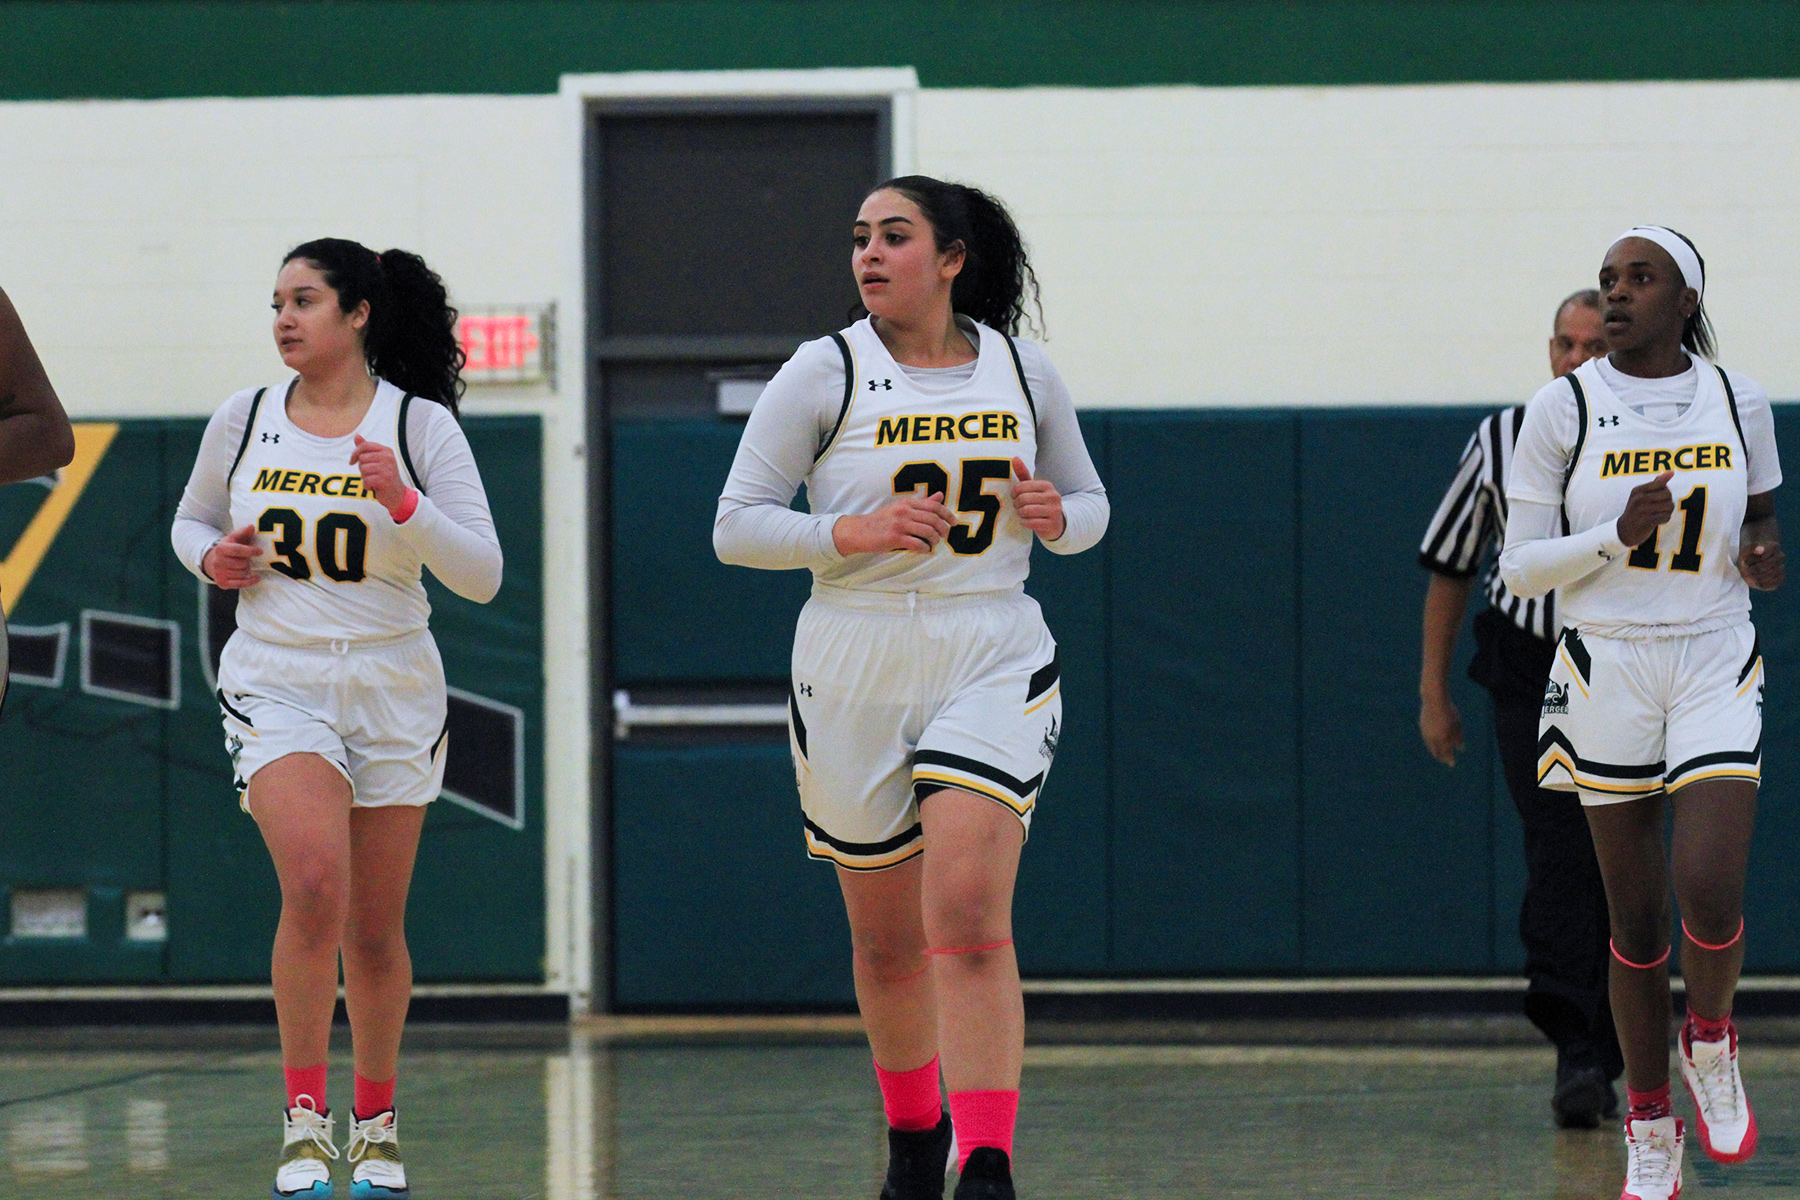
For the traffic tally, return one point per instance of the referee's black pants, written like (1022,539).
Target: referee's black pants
(1563,921)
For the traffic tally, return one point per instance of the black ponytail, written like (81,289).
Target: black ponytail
(410,339)
(996,279)
(1697,331)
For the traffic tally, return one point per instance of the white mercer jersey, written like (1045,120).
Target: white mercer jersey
(334,566)
(1686,575)
(896,439)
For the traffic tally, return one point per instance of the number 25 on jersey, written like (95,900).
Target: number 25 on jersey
(930,478)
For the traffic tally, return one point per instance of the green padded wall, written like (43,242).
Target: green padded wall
(1061,905)
(715,901)
(113,796)
(679,615)
(1240,790)
(1772,902)
(1398,850)
(1202,610)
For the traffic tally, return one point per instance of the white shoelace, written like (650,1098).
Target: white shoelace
(1716,1080)
(1653,1159)
(369,1133)
(314,1127)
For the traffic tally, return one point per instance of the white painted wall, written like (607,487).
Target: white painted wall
(140,240)
(1372,245)
(1197,246)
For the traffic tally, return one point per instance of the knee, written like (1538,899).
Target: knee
(964,918)
(888,957)
(314,895)
(374,946)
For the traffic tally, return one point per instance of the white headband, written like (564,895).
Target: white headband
(1686,261)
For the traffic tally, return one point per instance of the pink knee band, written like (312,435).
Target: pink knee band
(1726,945)
(971,949)
(1649,966)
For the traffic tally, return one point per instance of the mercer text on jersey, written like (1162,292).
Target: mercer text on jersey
(970,427)
(308,483)
(1715,457)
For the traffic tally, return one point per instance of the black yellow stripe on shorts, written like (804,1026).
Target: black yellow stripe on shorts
(1725,764)
(863,856)
(1044,678)
(1750,663)
(935,770)
(795,723)
(1616,779)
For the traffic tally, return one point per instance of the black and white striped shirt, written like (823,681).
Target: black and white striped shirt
(1470,525)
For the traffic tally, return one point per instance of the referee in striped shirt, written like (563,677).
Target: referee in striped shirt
(1563,921)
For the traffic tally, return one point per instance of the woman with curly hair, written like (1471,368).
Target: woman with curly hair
(320,499)
(935,447)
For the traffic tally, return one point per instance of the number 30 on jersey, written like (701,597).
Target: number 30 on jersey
(340,543)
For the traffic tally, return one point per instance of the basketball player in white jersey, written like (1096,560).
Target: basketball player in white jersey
(1641,489)
(926,702)
(321,498)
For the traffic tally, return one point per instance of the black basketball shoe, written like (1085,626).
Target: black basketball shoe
(986,1176)
(917,1162)
(1581,1091)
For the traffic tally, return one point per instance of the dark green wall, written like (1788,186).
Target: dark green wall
(1241,788)
(113,796)
(56,49)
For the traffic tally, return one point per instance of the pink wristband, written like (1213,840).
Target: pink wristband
(408,507)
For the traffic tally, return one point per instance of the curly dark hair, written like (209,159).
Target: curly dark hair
(410,339)
(996,280)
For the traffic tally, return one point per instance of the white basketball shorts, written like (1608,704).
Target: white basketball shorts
(1626,717)
(897,696)
(375,712)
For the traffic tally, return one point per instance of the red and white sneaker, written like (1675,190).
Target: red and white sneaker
(1710,1070)
(1653,1159)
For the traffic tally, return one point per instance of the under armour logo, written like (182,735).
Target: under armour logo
(271,437)
(804,689)
(1605,421)
(883,385)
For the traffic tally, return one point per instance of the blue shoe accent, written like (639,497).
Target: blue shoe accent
(362,1190)
(318,1191)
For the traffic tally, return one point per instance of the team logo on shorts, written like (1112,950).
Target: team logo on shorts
(1556,698)
(235,745)
(1048,749)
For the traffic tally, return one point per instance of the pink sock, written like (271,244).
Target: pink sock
(308,1082)
(987,1119)
(910,1098)
(372,1097)
(1649,1106)
(1699,1029)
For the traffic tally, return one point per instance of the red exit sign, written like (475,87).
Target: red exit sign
(514,344)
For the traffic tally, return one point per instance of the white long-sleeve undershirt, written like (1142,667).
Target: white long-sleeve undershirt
(451,531)
(1538,558)
(754,526)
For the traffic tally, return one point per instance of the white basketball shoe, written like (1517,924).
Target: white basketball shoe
(374,1156)
(1653,1159)
(306,1151)
(1710,1070)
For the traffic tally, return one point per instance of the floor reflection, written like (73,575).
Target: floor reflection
(561,1116)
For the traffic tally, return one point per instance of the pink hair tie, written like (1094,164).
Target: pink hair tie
(1649,966)
(1726,945)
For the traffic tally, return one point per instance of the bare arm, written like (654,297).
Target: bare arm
(1760,559)
(35,438)
(1446,600)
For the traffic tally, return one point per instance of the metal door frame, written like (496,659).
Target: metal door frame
(577,877)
